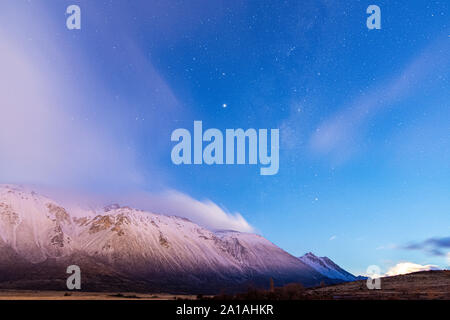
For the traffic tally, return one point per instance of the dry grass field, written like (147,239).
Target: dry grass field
(428,285)
(79,295)
(416,286)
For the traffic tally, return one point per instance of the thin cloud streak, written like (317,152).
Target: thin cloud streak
(338,133)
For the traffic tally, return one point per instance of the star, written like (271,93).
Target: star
(224,105)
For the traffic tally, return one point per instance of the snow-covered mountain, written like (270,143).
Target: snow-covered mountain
(327,267)
(129,249)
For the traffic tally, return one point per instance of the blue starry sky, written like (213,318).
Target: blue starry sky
(364,115)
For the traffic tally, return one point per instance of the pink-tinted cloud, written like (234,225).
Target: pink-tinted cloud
(205,213)
(41,140)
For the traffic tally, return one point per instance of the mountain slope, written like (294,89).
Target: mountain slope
(123,248)
(35,227)
(327,267)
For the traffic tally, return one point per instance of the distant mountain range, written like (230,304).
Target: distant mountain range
(124,249)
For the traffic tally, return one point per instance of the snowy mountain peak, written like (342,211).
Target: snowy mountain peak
(34,226)
(310,255)
(326,267)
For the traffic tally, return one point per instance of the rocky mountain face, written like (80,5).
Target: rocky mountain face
(327,268)
(125,249)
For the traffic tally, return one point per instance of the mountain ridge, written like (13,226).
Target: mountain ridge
(123,248)
(328,268)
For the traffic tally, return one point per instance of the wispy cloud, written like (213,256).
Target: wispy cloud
(388,246)
(409,267)
(337,134)
(48,134)
(203,212)
(434,246)
(39,137)
(63,124)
